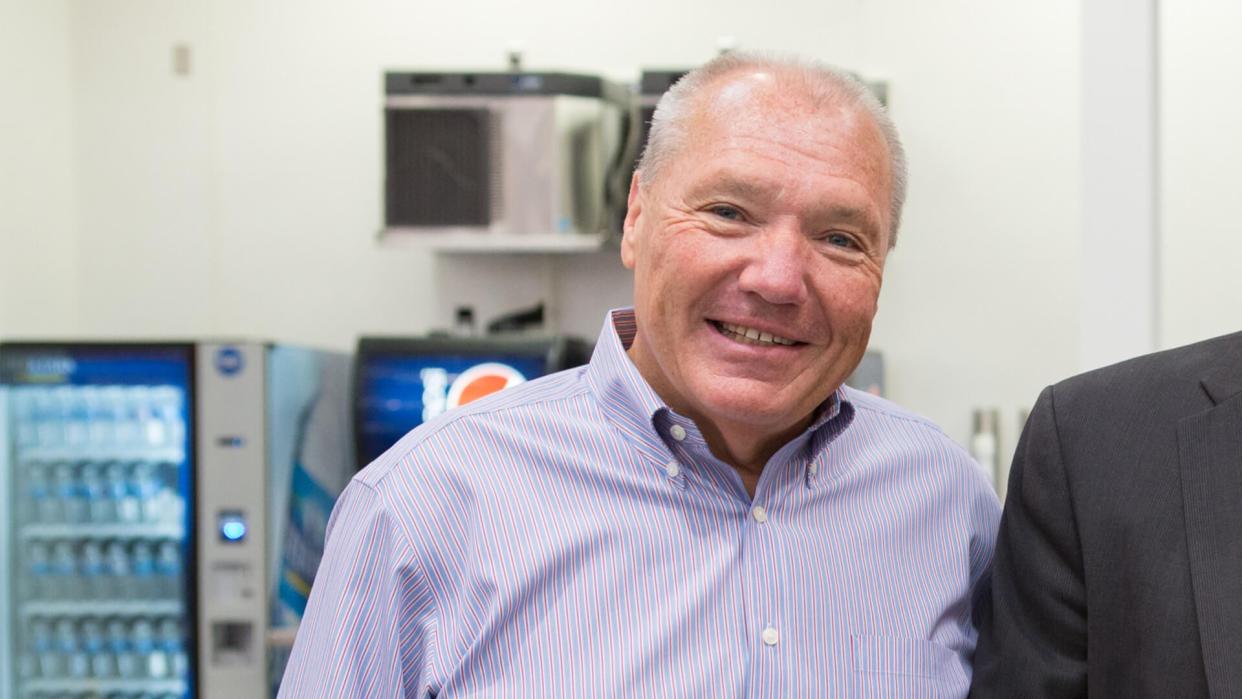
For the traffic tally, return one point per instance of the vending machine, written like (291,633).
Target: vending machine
(401,382)
(163,513)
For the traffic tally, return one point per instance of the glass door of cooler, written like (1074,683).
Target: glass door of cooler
(99,481)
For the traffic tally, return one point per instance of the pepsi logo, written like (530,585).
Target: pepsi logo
(482,380)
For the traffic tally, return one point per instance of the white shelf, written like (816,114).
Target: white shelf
(101,686)
(137,530)
(95,454)
(546,243)
(103,608)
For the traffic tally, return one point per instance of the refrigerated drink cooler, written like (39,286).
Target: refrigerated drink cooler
(164,512)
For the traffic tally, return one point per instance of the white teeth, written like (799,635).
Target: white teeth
(753,336)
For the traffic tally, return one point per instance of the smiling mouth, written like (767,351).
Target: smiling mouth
(751,336)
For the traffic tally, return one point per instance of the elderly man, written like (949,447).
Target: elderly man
(704,510)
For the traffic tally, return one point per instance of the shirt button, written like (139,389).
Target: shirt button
(672,468)
(678,432)
(770,636)
(814,467)
(760,514)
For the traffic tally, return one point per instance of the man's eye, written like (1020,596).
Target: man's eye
(727,212)
(840,240)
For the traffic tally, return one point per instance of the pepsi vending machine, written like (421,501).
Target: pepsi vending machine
(164,513)
(399,383)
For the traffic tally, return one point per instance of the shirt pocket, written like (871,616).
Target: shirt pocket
(900,666)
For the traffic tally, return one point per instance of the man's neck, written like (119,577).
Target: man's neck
(746,451)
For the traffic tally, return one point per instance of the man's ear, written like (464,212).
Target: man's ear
(629,229)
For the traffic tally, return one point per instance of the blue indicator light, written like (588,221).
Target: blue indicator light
(232,527)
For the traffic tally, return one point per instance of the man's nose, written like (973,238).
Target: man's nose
(776,266)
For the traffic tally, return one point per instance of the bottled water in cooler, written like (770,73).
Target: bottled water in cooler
(38,570)
(93,568)
(119,644)
(168,570)
(143,570)
(63,581)
(118,571)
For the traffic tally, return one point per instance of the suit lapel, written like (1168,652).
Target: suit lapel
(1210,452)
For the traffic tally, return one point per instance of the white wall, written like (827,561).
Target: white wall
(1201,213)
(244,198)
(38,290)
(980,306)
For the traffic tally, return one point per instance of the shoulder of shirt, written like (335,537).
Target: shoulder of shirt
(868,407)
(466,420)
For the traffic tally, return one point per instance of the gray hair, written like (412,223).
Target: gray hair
(820,80)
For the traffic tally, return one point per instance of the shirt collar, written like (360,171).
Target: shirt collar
(635,409)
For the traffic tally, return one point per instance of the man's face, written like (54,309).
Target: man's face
(758,255)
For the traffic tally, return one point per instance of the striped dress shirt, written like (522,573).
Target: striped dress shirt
(574,537)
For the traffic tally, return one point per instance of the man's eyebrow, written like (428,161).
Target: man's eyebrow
(736,186)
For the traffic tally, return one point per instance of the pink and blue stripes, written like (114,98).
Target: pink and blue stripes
(537,544)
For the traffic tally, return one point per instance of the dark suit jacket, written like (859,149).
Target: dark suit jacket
(1118,570)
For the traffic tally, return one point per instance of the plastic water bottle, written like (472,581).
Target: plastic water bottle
(121,647)
(169,402)
(98,421)
(77,427)
(68,647)
(118,571)
(142,636)
(44,645)
(28,662)
(129,428)
(93,569)
(49,429)
(128,507)
(65,492)
(64,572)
(172,643)
(147,483)
(95,493)
(143,569)
(38,570)
(112,414)
(98,659)
(24,418)
(168,570)
(123,507)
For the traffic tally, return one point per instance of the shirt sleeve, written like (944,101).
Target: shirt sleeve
(364,630)
(1033,622)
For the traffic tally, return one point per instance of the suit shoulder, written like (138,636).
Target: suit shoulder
(1169,376)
